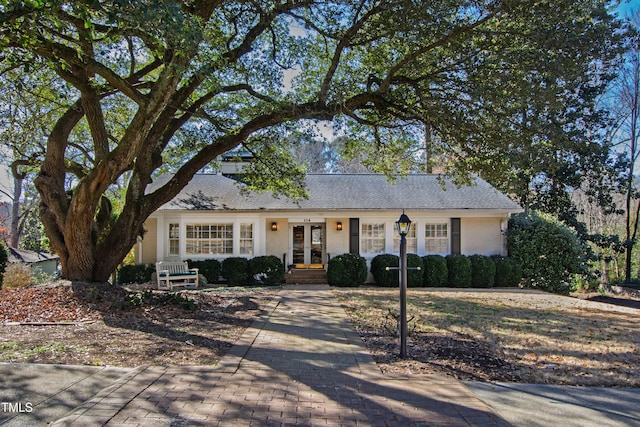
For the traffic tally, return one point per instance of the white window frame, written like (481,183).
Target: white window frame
(210,238)
(246,243)
(370,233)
(439,243)
(412,240)
(174,239)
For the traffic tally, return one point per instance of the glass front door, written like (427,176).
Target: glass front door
(307,245)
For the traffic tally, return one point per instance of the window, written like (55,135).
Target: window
(436,239)
(412,241)
(246,239)
(206,239)
(174,239)
(373,238)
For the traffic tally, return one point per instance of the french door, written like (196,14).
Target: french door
(307,245)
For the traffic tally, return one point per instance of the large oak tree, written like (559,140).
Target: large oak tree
(190,80)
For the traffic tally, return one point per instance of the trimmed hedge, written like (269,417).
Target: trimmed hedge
(347,270)
(459,267)
(508,272)
(383,277)
(235,270)
(209,268)
(266,270)
(414,277)
(138,273)
(483,271)
(391,278)
(435,272)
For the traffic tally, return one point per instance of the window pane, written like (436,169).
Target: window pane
(436,238)
(174,239)
(373,238)
(209,239)
(412,241)
(246,239)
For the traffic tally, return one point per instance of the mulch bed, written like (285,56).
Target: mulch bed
(102,324)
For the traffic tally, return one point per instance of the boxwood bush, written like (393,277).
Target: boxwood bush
(483,271)
(435,273)
(459,268)
(414,276)
(508,272)
(381,276)
(136,273)
(235,271)
(347,270)
(266,270)
(391,278)
(209,268)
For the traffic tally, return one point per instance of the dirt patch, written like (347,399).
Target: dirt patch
(527,337)
(110,325)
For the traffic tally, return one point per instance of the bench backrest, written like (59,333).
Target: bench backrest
(172,266)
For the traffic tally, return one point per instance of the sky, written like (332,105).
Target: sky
(628,5)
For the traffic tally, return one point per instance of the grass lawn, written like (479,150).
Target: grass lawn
(520,336)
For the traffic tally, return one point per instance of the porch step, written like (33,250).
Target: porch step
(306,277)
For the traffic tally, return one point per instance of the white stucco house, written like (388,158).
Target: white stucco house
(356,213)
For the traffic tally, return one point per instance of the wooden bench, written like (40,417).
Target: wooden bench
(176,273)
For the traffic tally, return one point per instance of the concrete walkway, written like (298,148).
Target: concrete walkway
(300,364)
(34,395)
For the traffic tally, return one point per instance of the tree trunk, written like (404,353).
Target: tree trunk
(14,234)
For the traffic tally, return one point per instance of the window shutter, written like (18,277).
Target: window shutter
(354,235)
(455,236)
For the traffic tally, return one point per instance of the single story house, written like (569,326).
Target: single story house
(44,262)
(356,213)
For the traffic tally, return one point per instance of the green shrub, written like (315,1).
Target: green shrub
(435,272)
(414,273)
(391,278)
(459,268)
(235,270)
(550,253)
(483,271)
(347,270)
(508,272)
(267,270)
(209,268)
(381,276)
(4,258)
(137,273)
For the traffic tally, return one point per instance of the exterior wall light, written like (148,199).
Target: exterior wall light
(274,226)
(339,226)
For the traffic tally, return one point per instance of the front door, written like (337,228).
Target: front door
(307,245)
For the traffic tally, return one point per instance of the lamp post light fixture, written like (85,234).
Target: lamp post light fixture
(402,225)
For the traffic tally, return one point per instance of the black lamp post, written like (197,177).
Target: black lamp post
(402,225)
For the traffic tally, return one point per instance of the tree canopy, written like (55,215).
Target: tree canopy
(145,81)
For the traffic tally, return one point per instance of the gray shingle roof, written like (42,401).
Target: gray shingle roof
(345,192)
